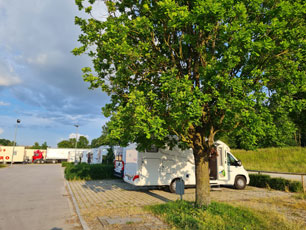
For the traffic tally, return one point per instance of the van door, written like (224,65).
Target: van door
(167,167)
(150,171)
(222,163)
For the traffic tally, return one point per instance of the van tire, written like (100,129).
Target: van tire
(240,182)
(172,186)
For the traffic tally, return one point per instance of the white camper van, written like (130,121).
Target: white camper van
(160,167)
(119,161)
(98,154)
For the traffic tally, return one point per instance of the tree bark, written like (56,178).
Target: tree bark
(202,178)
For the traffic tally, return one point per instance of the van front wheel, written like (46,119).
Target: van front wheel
(240,182)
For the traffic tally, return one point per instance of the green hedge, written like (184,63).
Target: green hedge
(85,171)
(264,181)
(65,164)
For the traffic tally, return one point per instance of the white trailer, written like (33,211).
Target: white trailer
(76,156)
(163,167)
(98,154)
(6,154)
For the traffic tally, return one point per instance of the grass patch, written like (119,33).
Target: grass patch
(300,196)
(2,165)
(287,159)
(265,181)
(218,216)
(85,171)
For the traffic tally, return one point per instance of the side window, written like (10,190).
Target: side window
(153,149)
(230,160)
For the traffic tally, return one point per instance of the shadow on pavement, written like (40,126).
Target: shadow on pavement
(117,184)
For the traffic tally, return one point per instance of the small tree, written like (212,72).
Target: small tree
(65,144)
(44,145)
(109,157)
(182,72)
(6,142)
(83,142)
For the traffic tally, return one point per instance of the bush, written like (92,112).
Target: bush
(85,171)
(65,164)
(263,181)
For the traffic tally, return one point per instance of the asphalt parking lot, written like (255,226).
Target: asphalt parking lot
(34,197)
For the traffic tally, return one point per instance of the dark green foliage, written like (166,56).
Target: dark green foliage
(85,171)
(185,215)
(103,139)
(109,157)
(37,146)
(65,164)
(6,142)
(263,181)
(82,143)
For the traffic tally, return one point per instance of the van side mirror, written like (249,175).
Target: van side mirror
(238,163)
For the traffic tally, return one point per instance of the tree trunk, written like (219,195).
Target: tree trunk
(202,179)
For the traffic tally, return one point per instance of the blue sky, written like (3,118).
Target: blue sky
(40,80)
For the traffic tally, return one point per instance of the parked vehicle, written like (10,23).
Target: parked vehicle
(164,167)
(119,161)
(6,154)
(29,153)
(54,155)
(76,156)
(98,154)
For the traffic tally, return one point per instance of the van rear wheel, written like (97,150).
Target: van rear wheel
(172,186)
(240,182)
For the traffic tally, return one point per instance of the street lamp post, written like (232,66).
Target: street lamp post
(76,142)
(18,121)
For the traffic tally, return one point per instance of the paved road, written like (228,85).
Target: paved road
(34,197)
(285,176)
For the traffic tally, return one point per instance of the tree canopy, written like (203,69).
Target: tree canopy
(6,142)
(182,72)
(37,146)
(82,143)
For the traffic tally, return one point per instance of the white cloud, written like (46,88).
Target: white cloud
(7,75)
(2,103)
(40,59)
(1,131)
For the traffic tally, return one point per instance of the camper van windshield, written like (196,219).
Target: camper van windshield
(230,159)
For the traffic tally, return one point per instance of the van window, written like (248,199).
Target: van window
(230,159)
(152,149)
(220,156)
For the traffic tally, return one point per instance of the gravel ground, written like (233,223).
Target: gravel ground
(114,198)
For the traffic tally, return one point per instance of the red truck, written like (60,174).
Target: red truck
(38,157)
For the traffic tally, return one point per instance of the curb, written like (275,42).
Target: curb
(83,223)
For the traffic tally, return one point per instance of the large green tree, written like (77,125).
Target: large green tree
(181,72)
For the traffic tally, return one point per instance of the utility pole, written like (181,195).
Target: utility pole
(76,142)
(18,121)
